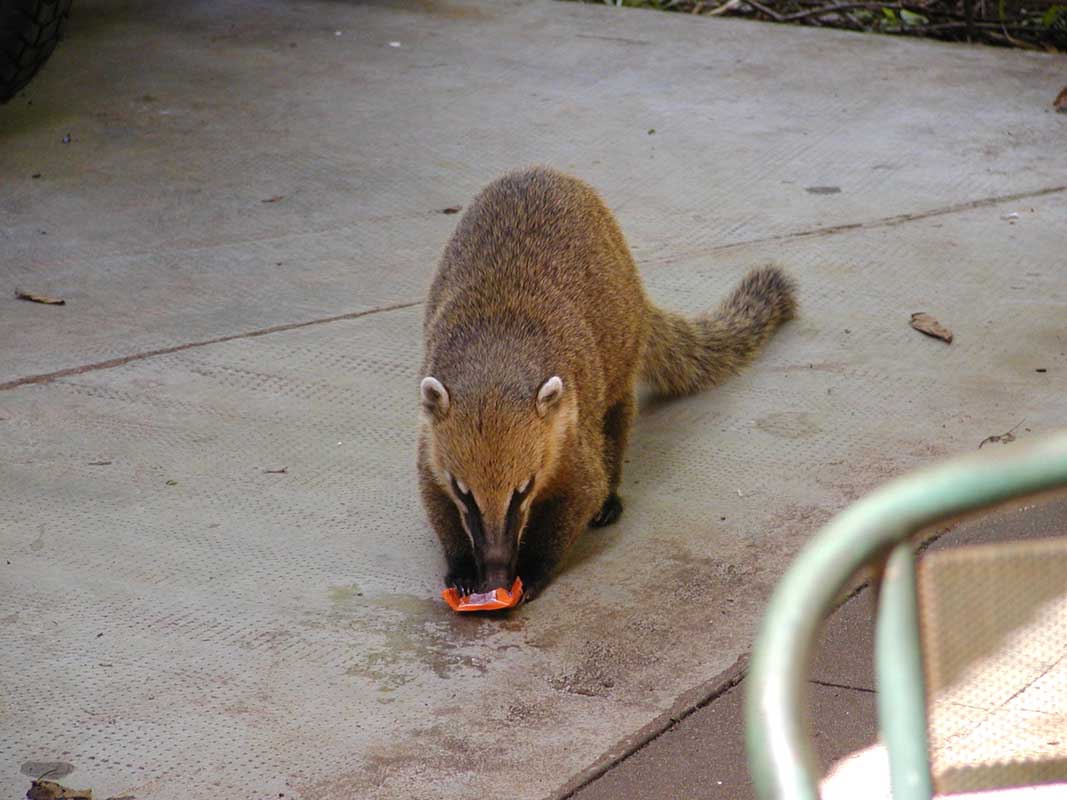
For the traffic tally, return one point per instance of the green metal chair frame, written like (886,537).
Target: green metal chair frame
(879,526)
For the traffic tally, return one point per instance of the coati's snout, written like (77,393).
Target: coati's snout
(492,456)
(495,528)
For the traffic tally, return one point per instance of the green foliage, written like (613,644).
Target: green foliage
(1052,16)
(1004,22)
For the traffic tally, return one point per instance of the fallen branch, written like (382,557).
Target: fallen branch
(764,10)
(729,5)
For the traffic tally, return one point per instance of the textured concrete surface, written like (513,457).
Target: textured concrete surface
(703,757)
(160,191)
(179,623)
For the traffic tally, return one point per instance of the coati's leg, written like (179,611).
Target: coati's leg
(617,424)
(555,523)
(462,572)
(552,528)
(444,516)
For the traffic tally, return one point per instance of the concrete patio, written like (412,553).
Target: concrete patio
(243,224)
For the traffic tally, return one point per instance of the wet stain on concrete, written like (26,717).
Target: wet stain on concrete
(339,595)
(50,770)
(789,425)
(402,635)
(526,713)
(797,523)
(436,750)
(675,587)
(596,673)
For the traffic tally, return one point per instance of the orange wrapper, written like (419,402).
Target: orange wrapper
(486,601)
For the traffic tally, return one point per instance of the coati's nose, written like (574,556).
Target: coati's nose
(496,576)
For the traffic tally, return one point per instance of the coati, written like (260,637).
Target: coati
(536,330)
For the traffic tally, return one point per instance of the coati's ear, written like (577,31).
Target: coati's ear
(434,396)
(549,394)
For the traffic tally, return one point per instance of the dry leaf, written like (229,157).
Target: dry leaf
(924,323)
(1003,438)
(274,199)
(39,298)
(99,463)
(452,210)
(50,790)
(1060,103)
(281,471)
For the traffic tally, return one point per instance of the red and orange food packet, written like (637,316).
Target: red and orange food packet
(484,601)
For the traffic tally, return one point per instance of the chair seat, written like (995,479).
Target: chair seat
(865,774)
(994,632)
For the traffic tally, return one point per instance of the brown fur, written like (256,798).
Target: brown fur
(537,281)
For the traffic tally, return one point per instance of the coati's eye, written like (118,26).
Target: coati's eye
(469,505)
(459,487)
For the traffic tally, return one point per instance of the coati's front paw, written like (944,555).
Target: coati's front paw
(608,513)
(531,592)
(532,585)
(462,580)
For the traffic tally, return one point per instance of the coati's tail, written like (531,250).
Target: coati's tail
(687,355)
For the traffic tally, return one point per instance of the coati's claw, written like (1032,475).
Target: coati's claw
(463,584)
(608,513)
(531,587)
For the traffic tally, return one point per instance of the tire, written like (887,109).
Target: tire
(29,32)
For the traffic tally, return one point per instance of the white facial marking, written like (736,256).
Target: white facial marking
(463,517)
(463,524)
(525,486)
